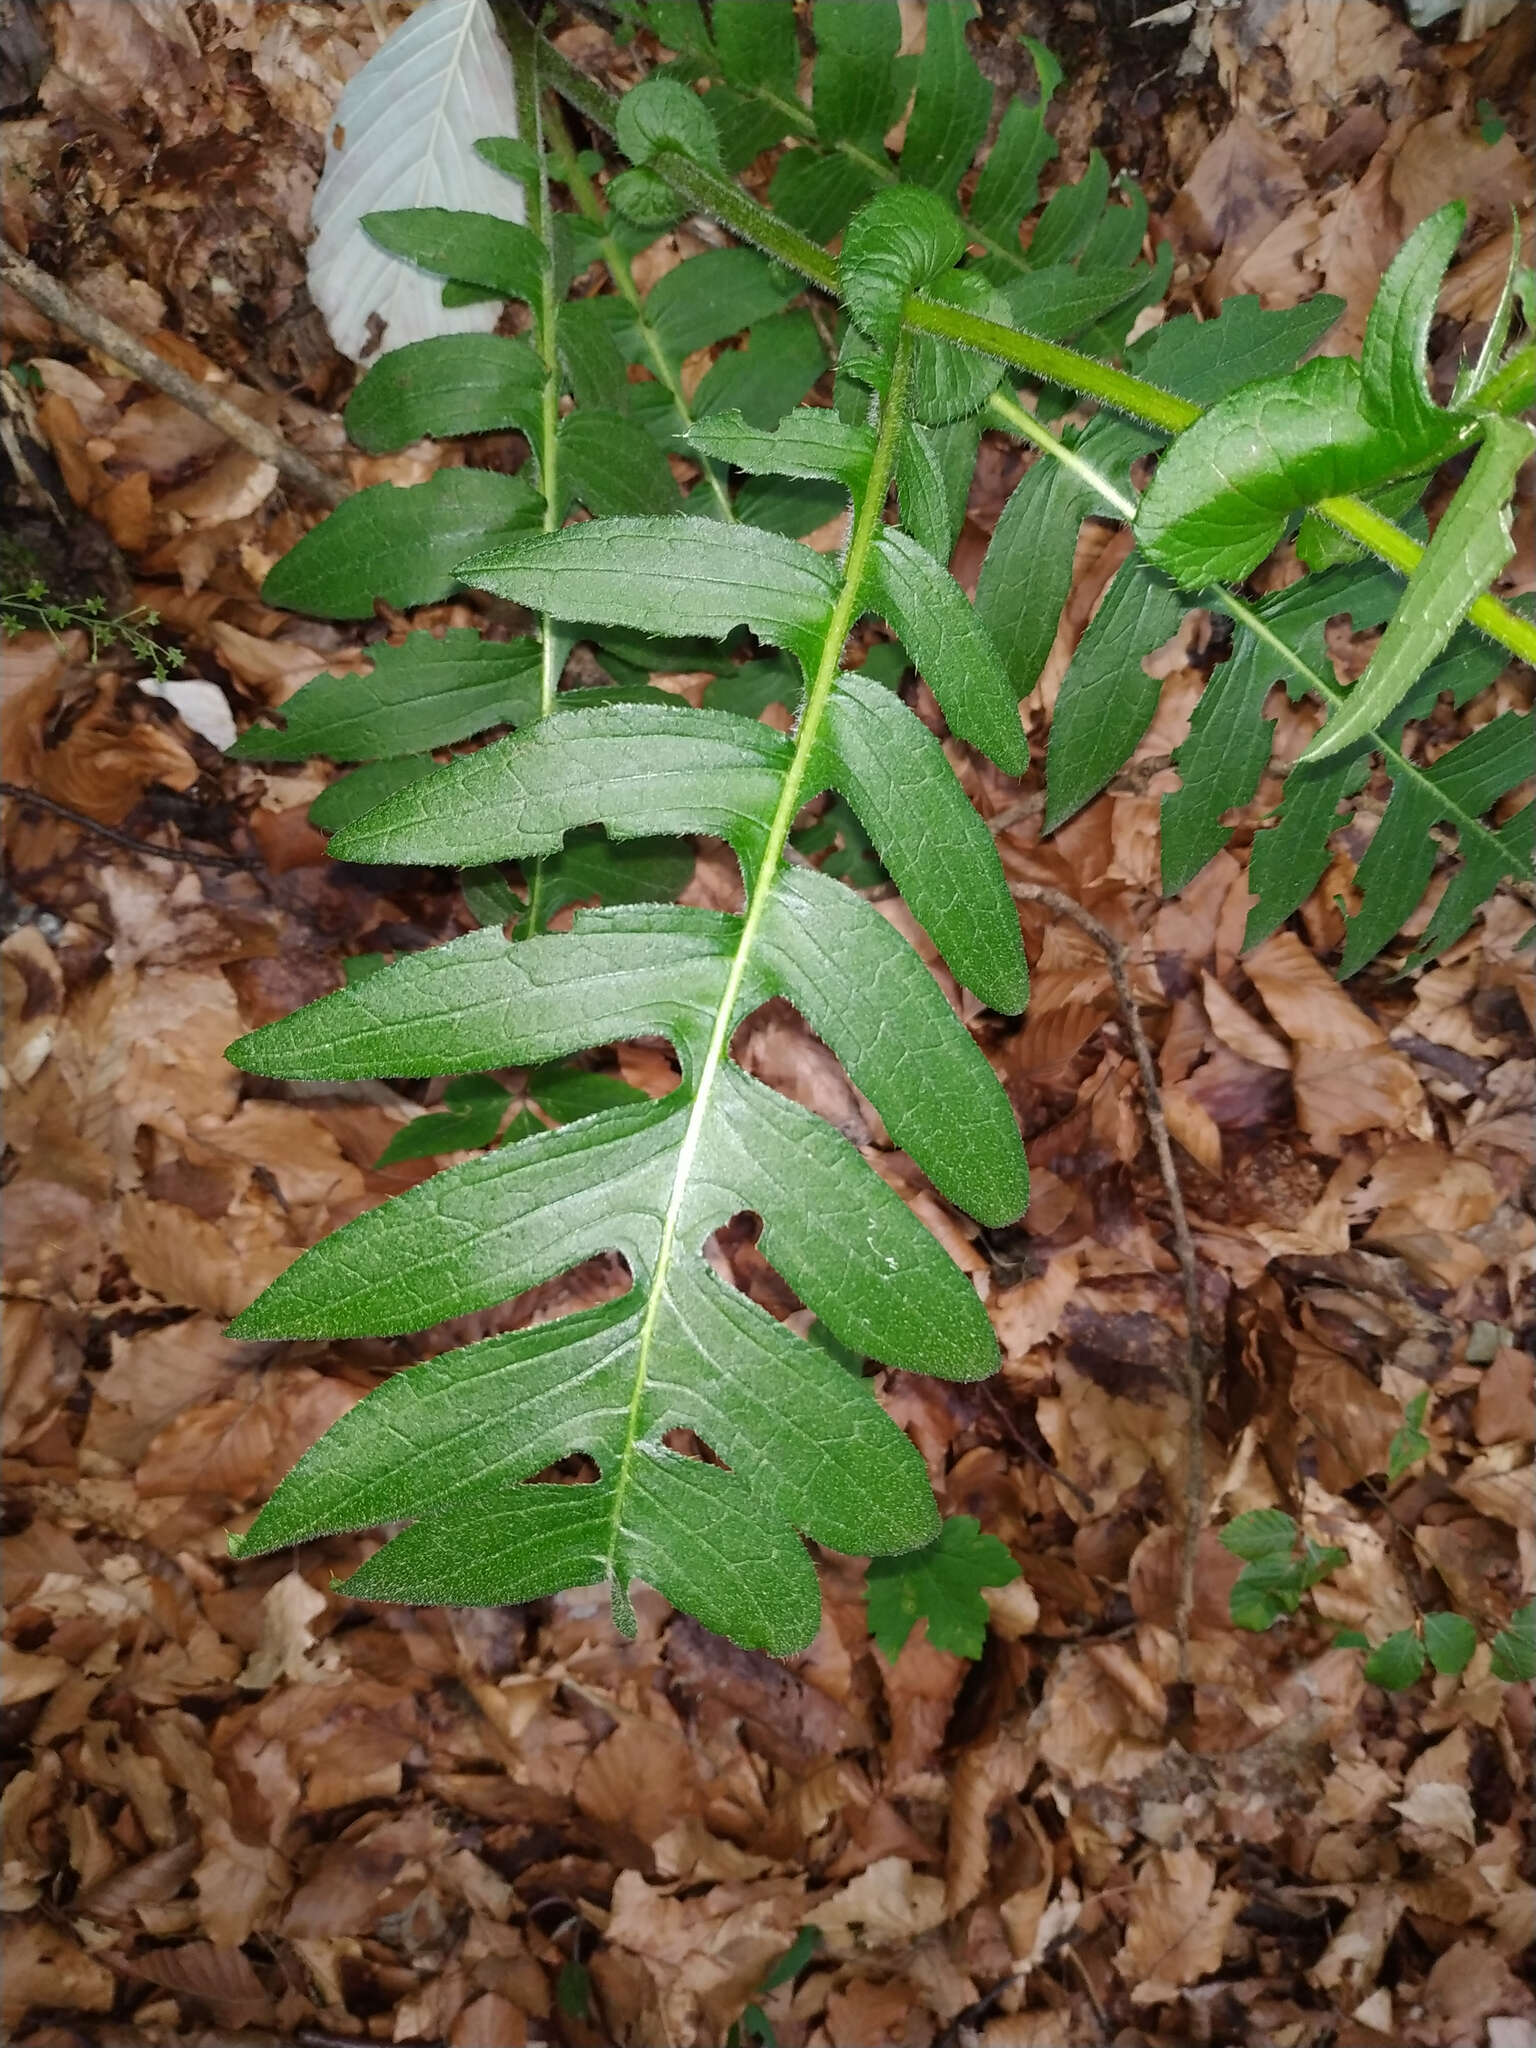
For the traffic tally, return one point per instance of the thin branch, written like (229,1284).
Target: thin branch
(1117,960)
(124,839)
(63,306)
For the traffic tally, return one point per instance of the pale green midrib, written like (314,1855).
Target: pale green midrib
(618,265)
(549,448)
(884,172)
(593,209)
(868,515)
(1017,420)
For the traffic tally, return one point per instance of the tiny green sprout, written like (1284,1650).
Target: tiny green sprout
(1274,1577)
(1409,1443)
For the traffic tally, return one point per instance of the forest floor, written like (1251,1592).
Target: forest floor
(241,1808)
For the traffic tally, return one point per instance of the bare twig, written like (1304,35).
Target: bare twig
(1116,959)
(124,839)
(68,310)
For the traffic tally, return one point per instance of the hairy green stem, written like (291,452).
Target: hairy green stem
(1355,518)
(707,192)
(1512,389)
(1013,417)
(868,514)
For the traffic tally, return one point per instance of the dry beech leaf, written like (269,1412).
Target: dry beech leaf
(1374,1089)
(1178,1925)
(1353,1957)
(1235,1028)
(1311,1008)
(288,1648)
(885,1905)
(221,1977)
(44,1966)
(1194,1127)
(641,1778)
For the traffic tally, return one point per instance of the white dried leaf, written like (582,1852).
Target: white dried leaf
(202,706)
(404,135)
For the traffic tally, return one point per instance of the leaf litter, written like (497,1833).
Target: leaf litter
(239,1807)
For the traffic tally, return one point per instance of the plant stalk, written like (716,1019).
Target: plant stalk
(1013,417)
(868,515)
(709,193)
(590,201)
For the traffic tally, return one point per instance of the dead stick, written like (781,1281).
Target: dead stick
(124,839)
(62,305)
(1117,960)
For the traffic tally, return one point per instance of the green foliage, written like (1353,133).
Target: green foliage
(753,2030)
(696,490)
(1398,1662)
(1275,1575)
(940,1584)
(1275,442)
(1514,1649)
(31,607)
(1409,1443)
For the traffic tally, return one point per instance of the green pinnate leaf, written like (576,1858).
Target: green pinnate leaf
(1470,546)
(949,646)
(952,105)
(677,1523)
(757,45)
(940,1584)
(1107,697)
(628,572)
(627,974)
(781,360)
(613,467)
(704,772)
(1223,493)
(809,443)
(1071,215)
(1458,789)
(1010,178)
(892,770)
(713,295)
(860,85)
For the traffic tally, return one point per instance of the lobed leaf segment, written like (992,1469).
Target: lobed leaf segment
(596,781)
